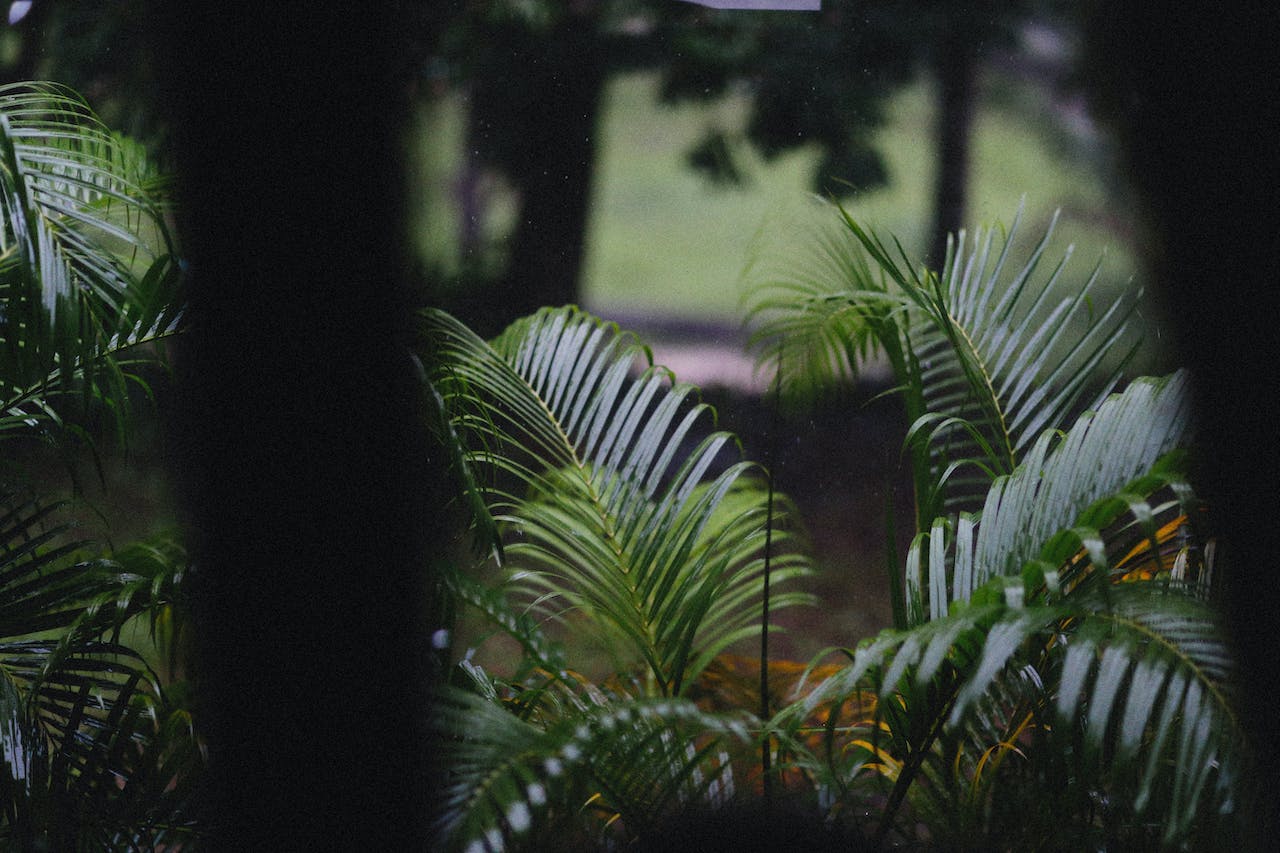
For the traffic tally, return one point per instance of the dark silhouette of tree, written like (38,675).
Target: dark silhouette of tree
(535,89)
(820,78)
(826,79)
(534,75)
(955,65)
(1188,97)
(312,496)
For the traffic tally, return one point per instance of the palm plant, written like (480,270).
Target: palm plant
(1027,696)
(88,275)
(615,518)
(986,356)
(95,754)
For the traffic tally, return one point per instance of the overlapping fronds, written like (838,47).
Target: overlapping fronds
(1067,489)
(90,743)
(538,649)
(1024,667)
(987,354)
(618,504)
(820,311)
(86,259)
(612,773)
(95,755)
(1118,701)
(1060,638)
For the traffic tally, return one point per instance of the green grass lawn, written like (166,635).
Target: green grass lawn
(665,242)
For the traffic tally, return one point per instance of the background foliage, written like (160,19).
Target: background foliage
(1056,671)
(99,747)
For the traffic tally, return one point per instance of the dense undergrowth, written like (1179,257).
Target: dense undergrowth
(1055,676)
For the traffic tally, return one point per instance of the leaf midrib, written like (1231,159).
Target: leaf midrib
(987,384)
(608,528)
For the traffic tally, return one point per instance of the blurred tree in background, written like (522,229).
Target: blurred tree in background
(97,47)
(533,76)
(818,78)
(826,79)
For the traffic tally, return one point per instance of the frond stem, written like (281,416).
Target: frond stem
(954,328)
(910,768)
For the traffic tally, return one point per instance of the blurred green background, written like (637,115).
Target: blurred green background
(664,243)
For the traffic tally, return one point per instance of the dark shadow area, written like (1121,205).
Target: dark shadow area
(840,463)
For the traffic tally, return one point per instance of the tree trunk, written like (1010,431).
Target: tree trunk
(1192,118)
(549,244)
(955,68)
(542,109)
(303,462)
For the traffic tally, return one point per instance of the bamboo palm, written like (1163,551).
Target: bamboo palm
(623,515)
(1057,673)
(613,772)
(986,353)
(1031,667)
(87,271)
(1060,479)
(95,757)
(1125,695)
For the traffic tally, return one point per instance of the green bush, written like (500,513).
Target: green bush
(97,755)
(1056,675)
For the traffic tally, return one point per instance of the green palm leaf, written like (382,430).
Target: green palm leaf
(625,766)
(1060,479)
(820,311)
(81,713)
(86,259)
(987,354)
(95,756)
(1130,690)
(1027,648)
(613,505)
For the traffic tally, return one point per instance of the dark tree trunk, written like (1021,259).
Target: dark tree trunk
(548,246)
(304,467)
(955,68)
(1195,113)
(538,117)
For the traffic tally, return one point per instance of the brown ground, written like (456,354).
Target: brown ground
(839,464)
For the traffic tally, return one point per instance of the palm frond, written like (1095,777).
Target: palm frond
(987,353)
(1131,689)
(81,712)
(613,504)
(626,767)
(87,266)
(820,311)
(539,650)
(1077,480)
